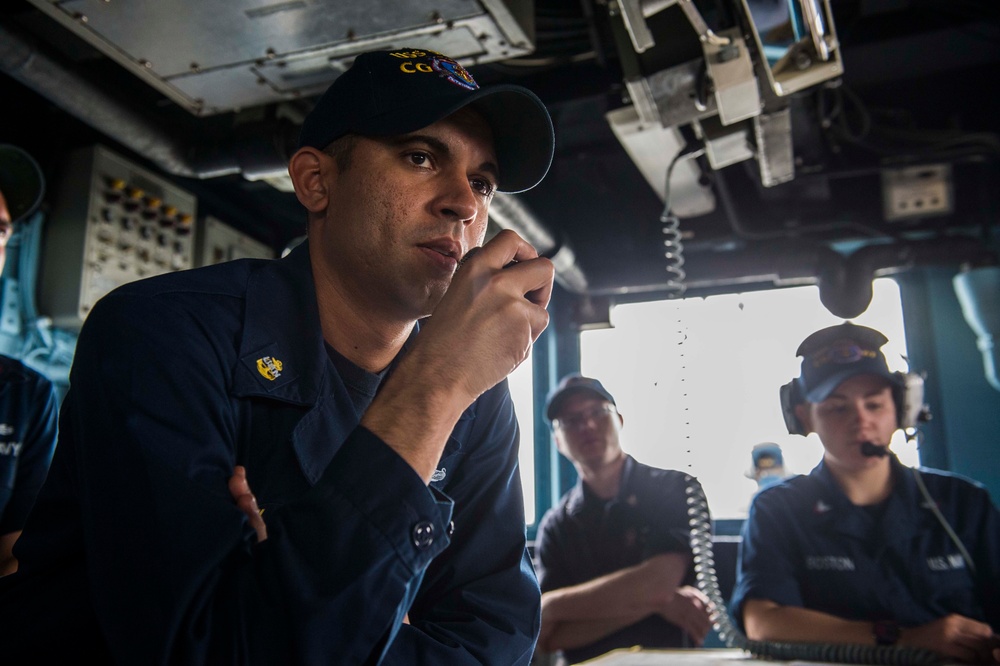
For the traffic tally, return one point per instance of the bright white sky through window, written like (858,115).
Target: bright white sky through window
(697,381)
(520,382)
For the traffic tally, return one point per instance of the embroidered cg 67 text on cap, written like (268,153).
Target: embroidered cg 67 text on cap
(387,93)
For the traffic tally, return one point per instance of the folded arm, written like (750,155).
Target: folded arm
(580,614)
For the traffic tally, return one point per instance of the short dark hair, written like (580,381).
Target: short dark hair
(342,150)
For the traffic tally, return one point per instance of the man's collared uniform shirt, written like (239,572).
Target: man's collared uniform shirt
(137,547)
(806,545)
(585,537)
(29,411)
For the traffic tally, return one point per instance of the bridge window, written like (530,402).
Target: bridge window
(697,380)
(521,392)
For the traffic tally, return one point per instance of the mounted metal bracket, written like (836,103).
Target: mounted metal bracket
(635,12)
(809,56)
(731,71)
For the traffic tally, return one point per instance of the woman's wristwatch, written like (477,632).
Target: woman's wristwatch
(886,632)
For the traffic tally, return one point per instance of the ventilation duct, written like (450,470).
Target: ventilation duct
(978,291)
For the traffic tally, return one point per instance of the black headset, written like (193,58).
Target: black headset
(907,393)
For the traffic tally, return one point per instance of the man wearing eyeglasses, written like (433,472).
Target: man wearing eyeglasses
(613,557)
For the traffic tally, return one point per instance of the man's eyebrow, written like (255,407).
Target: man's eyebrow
(442,148)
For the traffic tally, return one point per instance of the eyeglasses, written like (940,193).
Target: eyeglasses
(581,419)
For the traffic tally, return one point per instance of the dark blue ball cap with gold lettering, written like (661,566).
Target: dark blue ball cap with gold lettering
(387,93)
(836,353)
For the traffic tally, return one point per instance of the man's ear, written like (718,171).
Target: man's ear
(804,416)
(307,169)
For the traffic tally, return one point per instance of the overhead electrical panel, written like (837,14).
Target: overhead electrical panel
(112,222)
(229,55)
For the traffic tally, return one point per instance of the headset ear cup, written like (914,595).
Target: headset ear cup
(899,397)
(909,396)
(790,398)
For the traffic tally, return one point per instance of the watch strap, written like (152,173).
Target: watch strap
(886,632)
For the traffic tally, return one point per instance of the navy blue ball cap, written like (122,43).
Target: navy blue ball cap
(387,93)
(836,353)
(571,385)
(21,181)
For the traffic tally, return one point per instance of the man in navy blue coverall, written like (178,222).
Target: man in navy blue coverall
(864,550)
(614,556)
(358,386)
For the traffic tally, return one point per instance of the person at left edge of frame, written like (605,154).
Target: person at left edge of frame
(29,403)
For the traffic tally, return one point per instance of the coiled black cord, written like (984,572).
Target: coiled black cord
(708,582)
(673,245)
(673,252)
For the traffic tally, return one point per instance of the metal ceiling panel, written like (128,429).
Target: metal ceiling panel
(225,55)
